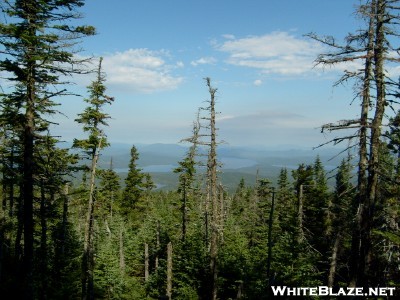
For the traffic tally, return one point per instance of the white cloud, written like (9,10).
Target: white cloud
(269,119)
(223,118)
(257,82)
(228,36)
(141,70)
(204,61)
(277,52)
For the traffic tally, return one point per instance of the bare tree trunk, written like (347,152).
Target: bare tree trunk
(157,244)
(363,153)
(333,265)
(240,290)
(121,250)
(43,242)
(373,168)
(169,270)
(146,262)
(112,193)
(361,252)
(300,237)
(107,228)
(11,186)
(206,220)
(28,167)
(64,219)
(20,227)
(88,252)
(222,212)
(212,166)
(270,223)
(60,252)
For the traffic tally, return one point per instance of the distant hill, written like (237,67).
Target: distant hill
(237,162)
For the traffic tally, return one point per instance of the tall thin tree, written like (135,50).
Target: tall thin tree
(92,119)
(35,54)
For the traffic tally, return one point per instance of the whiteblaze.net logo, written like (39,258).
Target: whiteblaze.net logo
(328,291)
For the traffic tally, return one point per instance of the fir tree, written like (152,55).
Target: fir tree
(134,187)
(35,55)
(92,119)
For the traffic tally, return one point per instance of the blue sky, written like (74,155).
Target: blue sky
(156,54)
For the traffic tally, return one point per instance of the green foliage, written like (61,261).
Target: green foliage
(128,217)
(108,192)
(93,118)
(134,184)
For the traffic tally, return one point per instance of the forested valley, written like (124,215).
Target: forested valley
(72,230)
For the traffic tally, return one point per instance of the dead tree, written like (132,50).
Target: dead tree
(205,134)
(187,172)
(146,262)
(88,243)
(372,47)
(213,192)
(169,271)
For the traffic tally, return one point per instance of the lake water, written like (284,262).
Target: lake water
(237,163)
(227,163)
(150,169)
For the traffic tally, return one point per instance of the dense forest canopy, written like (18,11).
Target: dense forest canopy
(70,229)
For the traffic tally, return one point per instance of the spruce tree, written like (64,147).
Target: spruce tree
(93,119)
(187,172)
(109,190)
(342,210)
(134,187)
(35,55)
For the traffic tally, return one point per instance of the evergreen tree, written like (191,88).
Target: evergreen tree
(35,54)
(109,190)
(342,210)
(134,186)
(285,201)
(92,119)
(318,217)
(374,86)
(308,209)
(187,172)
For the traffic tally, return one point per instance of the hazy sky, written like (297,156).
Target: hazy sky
(156,54)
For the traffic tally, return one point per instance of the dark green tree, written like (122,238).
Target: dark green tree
(109,190)
(36,49)
(318,218)
(134,187)
(305,255)
(341,210)
(187,173)
(93,119)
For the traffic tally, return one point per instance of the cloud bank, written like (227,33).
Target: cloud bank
(141,70)
(274,53)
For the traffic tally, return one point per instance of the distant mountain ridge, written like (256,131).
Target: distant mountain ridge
(237,161)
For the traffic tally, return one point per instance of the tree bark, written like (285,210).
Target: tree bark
(43,243)
(376,132)
(146,262)
(212,166)
(88,251)
(28,149)
(157,244)
(300,237)
(334,258)
(121,251)
(184,211)
(169,270)
(363,153)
